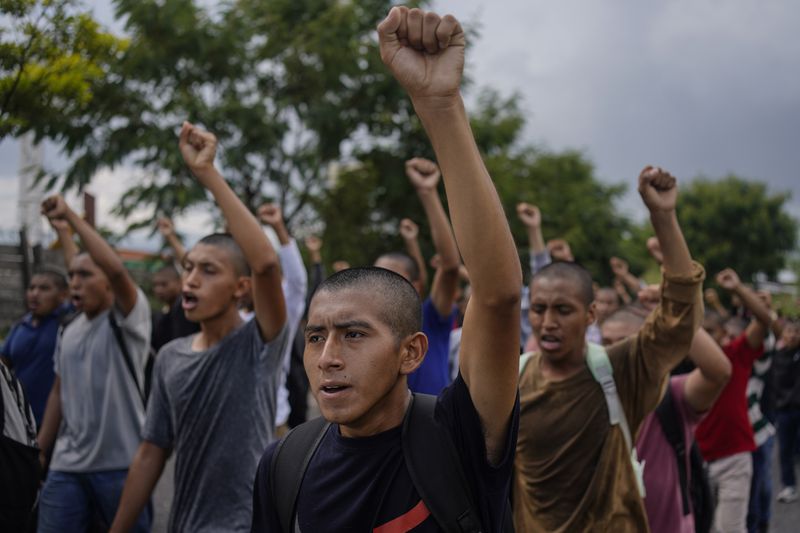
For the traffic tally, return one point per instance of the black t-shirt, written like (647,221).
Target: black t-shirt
(171,326)
(786,378)
(362,484)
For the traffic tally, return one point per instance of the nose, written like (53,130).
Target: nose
(190,278)
(549,320)
(330,357)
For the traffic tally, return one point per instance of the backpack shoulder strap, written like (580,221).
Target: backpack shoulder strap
(524,359)
(125,354)
(288,467)
(603,372)
(671,426)
(435,469)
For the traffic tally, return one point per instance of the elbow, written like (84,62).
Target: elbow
(266,266)
(499,301)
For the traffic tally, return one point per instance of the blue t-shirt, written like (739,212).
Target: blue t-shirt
(362,484)
(433,374)
(30,349)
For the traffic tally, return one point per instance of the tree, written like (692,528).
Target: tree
(285,85)
(735,223)
(52,58)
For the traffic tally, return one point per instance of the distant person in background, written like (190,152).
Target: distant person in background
(30,344)
(786,372)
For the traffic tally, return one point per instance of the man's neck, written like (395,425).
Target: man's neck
(565,368)
(388,413)
(212,331)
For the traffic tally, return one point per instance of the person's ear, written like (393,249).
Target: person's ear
(243,286)
(412,352)
(591,314)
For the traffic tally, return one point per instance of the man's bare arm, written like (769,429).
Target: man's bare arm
(758,328)
(425,175)
(409,231)
(122,284)
(167,230)
(68,247)
(490,343)
(143,474)
(199,148)
(713,370)
(50,422)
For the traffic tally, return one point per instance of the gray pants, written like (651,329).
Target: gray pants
(730,483)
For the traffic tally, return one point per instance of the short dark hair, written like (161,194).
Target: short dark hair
(225,241)
(573,272)
(409,264)
(169,270)
(55,275)
(627,315)
(401,308)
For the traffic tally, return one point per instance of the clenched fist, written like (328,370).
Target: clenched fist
(423,173)
(658,188)
(529,215)
(198,148)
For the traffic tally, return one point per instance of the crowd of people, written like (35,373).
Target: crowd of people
(467,402)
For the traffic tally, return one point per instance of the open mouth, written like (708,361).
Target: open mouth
(550,343)
(189,301)
(77,300)
(333,390)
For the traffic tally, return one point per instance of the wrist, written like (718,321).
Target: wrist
(438,104)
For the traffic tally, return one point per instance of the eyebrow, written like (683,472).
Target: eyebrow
(313,328)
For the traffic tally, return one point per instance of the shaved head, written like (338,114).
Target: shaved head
(572,272)
(226,243)
(401,308)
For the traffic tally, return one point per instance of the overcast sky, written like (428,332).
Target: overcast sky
(705,87)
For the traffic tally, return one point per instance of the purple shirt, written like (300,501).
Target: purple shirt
(663,502)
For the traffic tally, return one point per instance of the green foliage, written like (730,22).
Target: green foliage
(736,223)
(52,59)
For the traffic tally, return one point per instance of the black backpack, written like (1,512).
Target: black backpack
(694,484)
(430,456)
(144,390)
(19,456)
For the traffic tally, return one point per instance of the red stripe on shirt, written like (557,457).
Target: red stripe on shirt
(406,522)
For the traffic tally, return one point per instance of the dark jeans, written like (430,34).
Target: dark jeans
(70,501)
(758,512)
(788,426)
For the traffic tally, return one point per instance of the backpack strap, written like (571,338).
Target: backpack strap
(288,467)
(523,360)
(671,426)
(125,354)
(435,469)
(603,372)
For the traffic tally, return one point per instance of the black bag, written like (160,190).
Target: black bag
(695,487)
(144,391)
(19,456)
(427,450)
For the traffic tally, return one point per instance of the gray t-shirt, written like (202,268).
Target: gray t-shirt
(216,409)
(101,410)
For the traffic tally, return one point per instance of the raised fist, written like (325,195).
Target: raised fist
(198,148)
(270,214)
(424,52)
(313,243)
(54,207)
(423,173)
(560,251)
(529,215)
(408,229)
(165,227)
(654,247)
(728,279)
(658,188)
(59,224)
(618,266)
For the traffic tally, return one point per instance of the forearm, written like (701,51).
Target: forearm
(244,227)
(443,239)
(756,306)
(143,474)
(51,420)
(177,246)
(535,240)
(713,370)
(68,246)
(282,232)
(720,309)
(677,259)
(413,250)
(295,280)
(631,282)
(475,208)
(100,251)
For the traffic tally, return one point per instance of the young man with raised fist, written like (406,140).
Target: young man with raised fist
(363,337)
